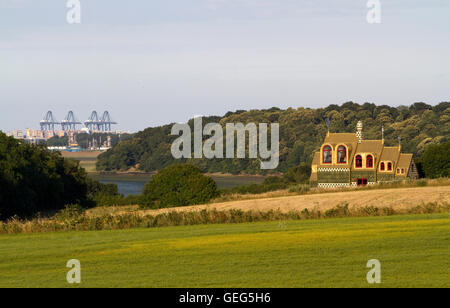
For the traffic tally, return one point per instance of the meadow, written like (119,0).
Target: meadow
(414,251)
(87,159)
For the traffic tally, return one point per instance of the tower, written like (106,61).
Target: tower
(359,131)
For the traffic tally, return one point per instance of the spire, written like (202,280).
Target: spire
(382,133)
(359,131)
(328,126)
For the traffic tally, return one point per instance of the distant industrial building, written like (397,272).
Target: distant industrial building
(16,134)
(71,128)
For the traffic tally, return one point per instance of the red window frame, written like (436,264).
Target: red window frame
(361,182)
(382,167)
(341,148)
(389,166)
(369,161)
(327,149)
(358,161)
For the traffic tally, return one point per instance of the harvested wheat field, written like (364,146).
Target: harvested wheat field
(397,198)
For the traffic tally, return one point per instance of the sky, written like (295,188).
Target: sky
(162,61)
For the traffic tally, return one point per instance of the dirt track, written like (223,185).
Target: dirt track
(395,198)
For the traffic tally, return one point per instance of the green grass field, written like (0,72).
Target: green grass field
(414,251)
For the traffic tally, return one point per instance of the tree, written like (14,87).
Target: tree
(299,174)
(436,161)
(179,185)
(33,179)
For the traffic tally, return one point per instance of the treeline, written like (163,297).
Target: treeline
(301,133)
(34,180)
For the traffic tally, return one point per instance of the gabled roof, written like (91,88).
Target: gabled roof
(405,161)
(335,138)
(370,146)
(390,154)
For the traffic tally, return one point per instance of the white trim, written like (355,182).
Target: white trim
(332,185)
(333,169)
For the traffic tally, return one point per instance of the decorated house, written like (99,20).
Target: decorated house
(346,159)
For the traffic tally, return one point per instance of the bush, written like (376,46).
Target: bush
(436,161)
(75,219)
(422,183)
(299,174)
(299,188)
(179,185)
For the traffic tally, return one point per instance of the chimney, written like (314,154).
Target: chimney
(359,131)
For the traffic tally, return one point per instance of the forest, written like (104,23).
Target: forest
(302,131)
(34,180)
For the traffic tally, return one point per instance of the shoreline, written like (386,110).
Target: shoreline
(149,174)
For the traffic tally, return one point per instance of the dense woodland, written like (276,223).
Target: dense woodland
(34,180)
(302,131)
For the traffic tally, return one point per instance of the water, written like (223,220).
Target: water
(127,188)
(130,185)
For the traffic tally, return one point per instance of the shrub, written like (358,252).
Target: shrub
(436,161)
(299,188)
(422,183)
(179,185)
(73,219)
(298,174)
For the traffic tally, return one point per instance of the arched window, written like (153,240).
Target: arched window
(382,167)
(398,170)
(403,171)
(369,161)
(389,166)
(342,155)
(359,161)
(327,156)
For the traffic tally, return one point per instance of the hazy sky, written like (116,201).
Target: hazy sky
(155,62)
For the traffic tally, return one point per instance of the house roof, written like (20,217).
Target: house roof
(405,161)
(390,154)
(335,138)
(370,146)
